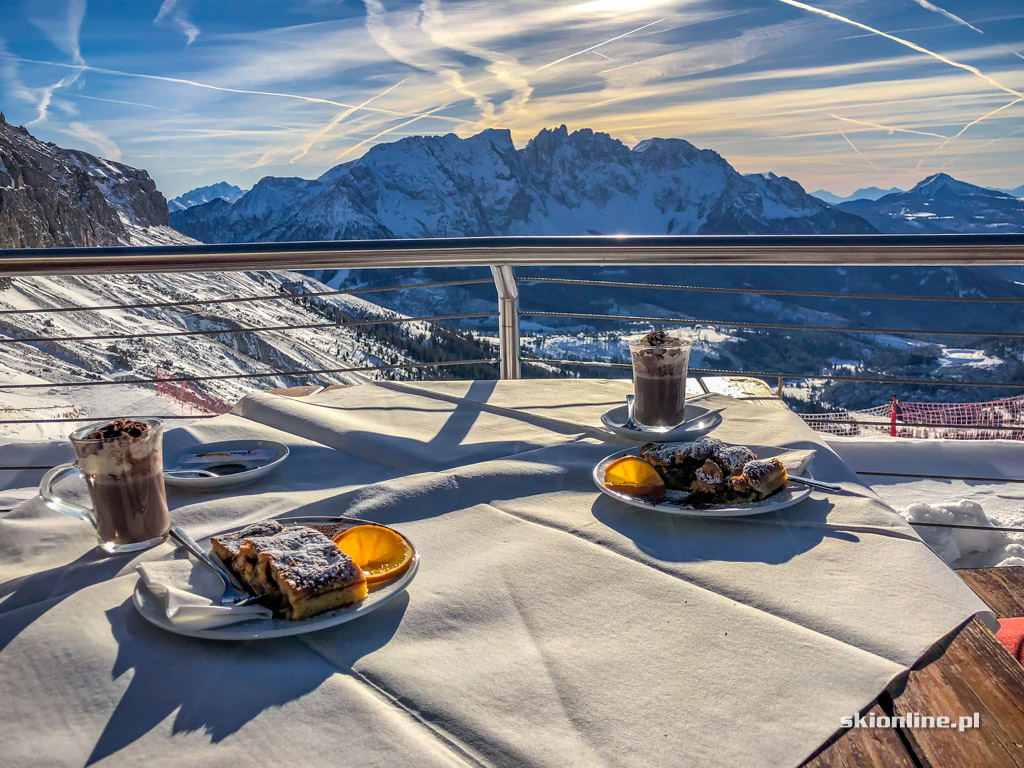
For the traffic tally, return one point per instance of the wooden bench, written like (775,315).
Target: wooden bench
(969,673)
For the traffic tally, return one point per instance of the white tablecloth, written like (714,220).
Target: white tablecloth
(548,626)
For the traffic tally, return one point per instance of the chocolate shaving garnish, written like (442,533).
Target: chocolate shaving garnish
(659,339)
(120,428)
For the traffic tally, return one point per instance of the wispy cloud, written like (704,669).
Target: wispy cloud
(506,69)
(380,31)
(913,46)
(107,147)
(177,12)
(63,31)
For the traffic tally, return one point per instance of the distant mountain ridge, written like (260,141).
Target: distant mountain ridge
(864,193)
(200,195)
(560,183)
(940,204)
(52,197)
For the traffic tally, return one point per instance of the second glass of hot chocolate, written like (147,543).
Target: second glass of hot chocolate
(660,364)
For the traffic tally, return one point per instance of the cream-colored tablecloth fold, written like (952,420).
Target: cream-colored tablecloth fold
(548,626)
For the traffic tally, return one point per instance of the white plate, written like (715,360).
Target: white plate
(224,482)
(152,609)
(787,497)
(615,420)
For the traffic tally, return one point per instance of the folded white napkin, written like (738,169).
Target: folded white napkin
(796,462)
(190,593)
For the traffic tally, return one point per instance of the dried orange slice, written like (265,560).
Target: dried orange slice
(634,476)
(381,553)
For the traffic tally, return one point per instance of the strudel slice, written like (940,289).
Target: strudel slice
(310,573)
(227,547)
(713,472)
(760,479)
(301,571)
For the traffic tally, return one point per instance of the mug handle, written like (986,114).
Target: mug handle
(55,502)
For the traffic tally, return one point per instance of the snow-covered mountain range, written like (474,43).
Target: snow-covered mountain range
(51,196)
(864,193)
(200,195)
(939,204)
(560,183)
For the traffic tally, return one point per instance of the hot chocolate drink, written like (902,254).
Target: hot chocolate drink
(122,463)
(660,364)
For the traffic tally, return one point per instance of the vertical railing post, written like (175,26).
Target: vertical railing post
(508,321)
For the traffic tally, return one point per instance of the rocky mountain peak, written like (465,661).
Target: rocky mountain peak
(560,183)
(51,197)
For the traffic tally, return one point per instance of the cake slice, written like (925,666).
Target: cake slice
(309,573)
(760,479)
(228,546)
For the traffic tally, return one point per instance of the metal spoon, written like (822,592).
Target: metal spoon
(630,424)
(694,422)
(815,483)
(191,473)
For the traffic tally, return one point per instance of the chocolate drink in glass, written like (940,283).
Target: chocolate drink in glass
(121,462)
(660,364)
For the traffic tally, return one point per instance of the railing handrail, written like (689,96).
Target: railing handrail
(793,250)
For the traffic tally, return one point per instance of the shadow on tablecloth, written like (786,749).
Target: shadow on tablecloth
(25,599)
(217,687)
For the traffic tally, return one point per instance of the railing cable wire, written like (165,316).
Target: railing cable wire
(226,376)
(241,299)
(767,291)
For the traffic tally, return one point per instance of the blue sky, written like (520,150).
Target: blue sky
(834,93)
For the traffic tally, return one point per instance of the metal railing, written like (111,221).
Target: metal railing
(501,255)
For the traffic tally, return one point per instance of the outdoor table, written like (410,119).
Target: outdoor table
(549,625)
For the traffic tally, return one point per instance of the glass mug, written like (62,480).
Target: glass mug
(659,381)
(125,477)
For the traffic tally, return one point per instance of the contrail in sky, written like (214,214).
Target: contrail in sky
(952,16)
(963,130)
(341,116)
(224,89)
(364,142)
(612,40)
(913,46)
(975,122)
(932,7)
(861,154)
(885,127)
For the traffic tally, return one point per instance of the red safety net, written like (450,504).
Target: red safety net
(954,421)
(189,398)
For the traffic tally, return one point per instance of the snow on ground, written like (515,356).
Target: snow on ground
(708,343)
(974,358)
(979,503)
(112,359)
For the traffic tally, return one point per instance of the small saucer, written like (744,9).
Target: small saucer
(615,420)
(236,473)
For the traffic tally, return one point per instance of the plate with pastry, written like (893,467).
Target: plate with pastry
(296,575)
(704,478)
